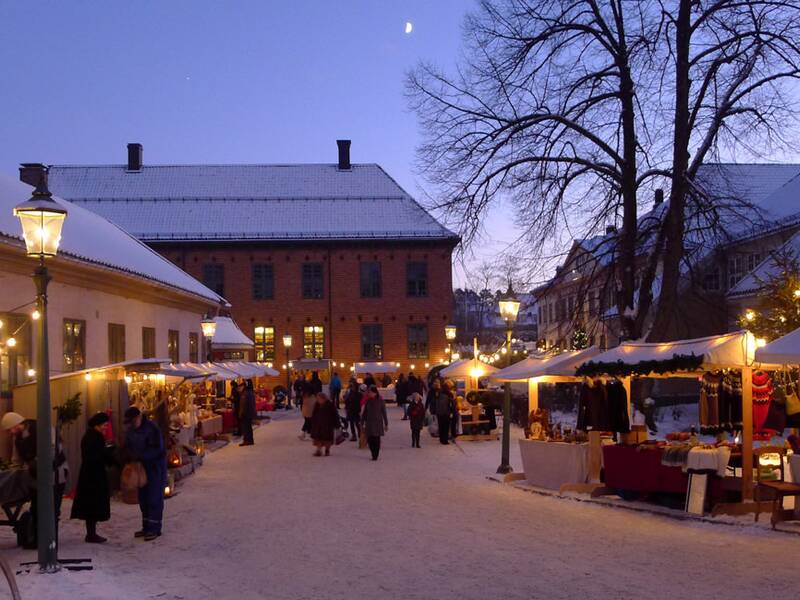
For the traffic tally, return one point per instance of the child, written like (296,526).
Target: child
(416,417)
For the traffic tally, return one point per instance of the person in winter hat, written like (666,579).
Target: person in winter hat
(92,497)
(145,443)
(374,420)
(445,408)
(247,411)
(416,417)
(352,407)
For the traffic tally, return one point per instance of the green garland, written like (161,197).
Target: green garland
(678,362)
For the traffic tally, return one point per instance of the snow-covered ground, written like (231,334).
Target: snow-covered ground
(271,521)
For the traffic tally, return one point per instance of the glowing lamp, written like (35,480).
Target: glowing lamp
(455,356)
(412,367)
(797,293)
(31,372)
(128,379)
(88,377)
(11,342)
(209,327)
(749,315)
(287,341)
(450,332)
(476,372)
(41,218)
(36,315)
(760,342)
(509,306)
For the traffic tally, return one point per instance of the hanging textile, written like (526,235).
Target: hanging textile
(592,407)
(730,412)
(762,399)
(710,388)
(617,401)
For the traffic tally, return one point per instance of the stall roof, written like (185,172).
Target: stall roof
(220,372)
(785,350)
(149,365)
(311,364)
(375,367)
(563,365)
(247,370)
(228,336)
(461,369)
(729,350)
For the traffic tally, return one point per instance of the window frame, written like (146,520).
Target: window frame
(214,281)
(416,286)
(418,348)
(65,350)
(373,328)
(371,282)
(312,283)
(174,345)
(262,343)
(148,343)
(314,346)
(117,356)
(262,277)
(194,347)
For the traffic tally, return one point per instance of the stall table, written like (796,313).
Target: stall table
(552,465)
(228,420)
(210,426)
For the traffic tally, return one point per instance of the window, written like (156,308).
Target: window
(194,347)
(753,261)
(74,345)
(312,281)
(540,314)
(148,342)
(372,342)
(736,269)
(214,277)
(263,282)
(711,280)
(370,280)
(417,279)
(116,343)
(417,341)
(265,343)
(313,341)
(173,346)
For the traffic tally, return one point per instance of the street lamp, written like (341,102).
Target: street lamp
(450,334)
(209,327)
(287,343)
(509,307)
(41,219)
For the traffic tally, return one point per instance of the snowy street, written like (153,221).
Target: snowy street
(271,521)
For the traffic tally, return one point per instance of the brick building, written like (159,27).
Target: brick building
(337,255)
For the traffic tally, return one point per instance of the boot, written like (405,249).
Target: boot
(318,452)
(91,534)
(327,451)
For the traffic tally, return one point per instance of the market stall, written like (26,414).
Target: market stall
(470,370)
(723,366)
(554,458)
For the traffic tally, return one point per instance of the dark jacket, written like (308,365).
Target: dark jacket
(324,420)
(247,407)
(593,408)
(445,405)
(335,385)
(617,400)
(430,401)
(25,445)
(401,391)
(92,497)
(416,385)
(374,417)
(352,403)
(416,415)
(146,445)
(315,384)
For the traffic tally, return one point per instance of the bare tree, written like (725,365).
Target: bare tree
(563,106)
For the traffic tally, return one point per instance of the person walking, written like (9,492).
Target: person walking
(92,497)
(145,443)
(445,407)
(369,380)
(433,394)
(416,417)
(316,383)
(374,420)
(352,407)
(236,405)
(324,421)
(335,389)
(401,394)
(307,409)
(298,390)
(247,413)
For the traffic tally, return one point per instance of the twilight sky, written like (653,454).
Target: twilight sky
(221,82)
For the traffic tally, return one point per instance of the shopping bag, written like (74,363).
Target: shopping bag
(792,400)
(133,476)
(362,439)
(433,426)
(339,436)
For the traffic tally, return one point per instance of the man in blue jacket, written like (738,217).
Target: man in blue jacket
(145,443)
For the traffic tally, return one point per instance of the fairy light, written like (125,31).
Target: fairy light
(749,315)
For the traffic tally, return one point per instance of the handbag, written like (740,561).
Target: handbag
(792,400)
(339,436)
(362,439)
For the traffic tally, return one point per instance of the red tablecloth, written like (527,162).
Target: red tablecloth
(264,405)
(634,469)
(228,422)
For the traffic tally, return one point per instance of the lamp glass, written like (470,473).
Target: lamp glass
(41,229)
(450,332)
(287,341)
(209,327)
(509,307)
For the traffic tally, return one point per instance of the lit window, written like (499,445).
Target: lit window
(313,341)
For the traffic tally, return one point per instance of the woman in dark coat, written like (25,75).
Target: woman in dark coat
(352,406)
(416,414)
(92,498)
(324,421)
(374,421)
(401,394)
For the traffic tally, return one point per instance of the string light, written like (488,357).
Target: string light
(749,315)
(36,315)
(11,342)
(31,372)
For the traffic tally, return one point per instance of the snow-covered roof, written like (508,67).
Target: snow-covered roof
(721,351)
(563,364)
(465,367)
(374,367)
(91,238)
(251,202)
(766,269)
(783,351)
(228,336)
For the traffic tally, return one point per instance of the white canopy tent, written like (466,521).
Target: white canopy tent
(248,370)
(362,368)
(221,373)
(785,350)
(558,365)
(467,367)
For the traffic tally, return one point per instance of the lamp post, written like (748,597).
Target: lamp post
(209,328)
(450,334)
(509,307)
(287,344)
(41,219)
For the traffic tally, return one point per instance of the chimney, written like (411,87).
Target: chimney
(134,157)
(610,229)
(33,174)
(344,154)
(659,196)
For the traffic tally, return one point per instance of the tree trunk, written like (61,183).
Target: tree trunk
(663,326)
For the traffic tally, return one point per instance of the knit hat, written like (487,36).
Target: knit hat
(11,419)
